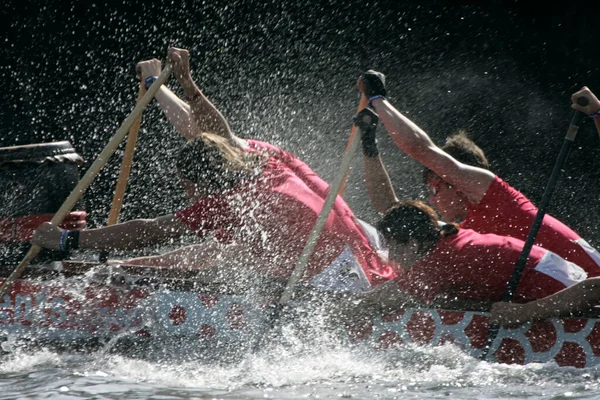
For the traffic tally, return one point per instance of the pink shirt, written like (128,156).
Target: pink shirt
(274,216)
(470,265)
(507,212)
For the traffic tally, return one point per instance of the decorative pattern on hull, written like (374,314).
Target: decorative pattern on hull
(55,311)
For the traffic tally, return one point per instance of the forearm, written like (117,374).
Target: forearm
(405,133)
(388,297)
(578,297)
(161,260)
(572,300)
(597,123)
(204,114)
(446,303)
(178,112)
(189,257)
(379,186)
(129,235)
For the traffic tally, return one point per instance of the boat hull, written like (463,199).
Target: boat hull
(68,310)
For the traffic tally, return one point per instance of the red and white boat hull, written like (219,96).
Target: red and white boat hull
(60,310)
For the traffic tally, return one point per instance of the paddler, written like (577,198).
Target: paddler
(198,114)
(575,299)
(243,196)
(460,186)
(448,263)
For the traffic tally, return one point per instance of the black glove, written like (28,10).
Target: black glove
(374,83)
(366,120)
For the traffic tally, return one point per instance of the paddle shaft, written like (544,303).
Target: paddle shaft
(121,186)
(302,262)
(364,102)
(535,226)
(91,174)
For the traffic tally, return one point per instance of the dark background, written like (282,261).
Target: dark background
(285,72)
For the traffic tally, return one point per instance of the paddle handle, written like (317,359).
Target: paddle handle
(537,223)
(126,164)
(302,262)
(364,102)
(91,173)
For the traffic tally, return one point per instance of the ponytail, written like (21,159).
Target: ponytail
(414,220)
(448,229)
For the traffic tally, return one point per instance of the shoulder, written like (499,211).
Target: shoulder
(500,187)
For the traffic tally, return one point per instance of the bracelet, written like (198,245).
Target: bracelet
(372,99)
(72,242)
(62,243)
(594,115)
(149,81)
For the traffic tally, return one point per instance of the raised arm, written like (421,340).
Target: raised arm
(188,120)
(129,235)
(204,113)
(471,181)
(377,180)
(592,109)
(177,111)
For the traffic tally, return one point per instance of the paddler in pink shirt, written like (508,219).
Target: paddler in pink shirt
(470,195)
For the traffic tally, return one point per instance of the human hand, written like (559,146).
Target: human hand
(509,313)
(180,60)
(148,68)
(593,104)
(47,236)
(372,83)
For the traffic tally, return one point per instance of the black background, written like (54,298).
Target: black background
(285,72)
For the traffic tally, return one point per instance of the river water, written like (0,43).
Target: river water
(290,368)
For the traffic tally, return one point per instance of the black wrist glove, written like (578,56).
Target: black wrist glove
(374,83)
(366,120)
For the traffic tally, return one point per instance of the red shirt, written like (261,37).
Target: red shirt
(274,215)
(505,211)
(470,265)
(300,169)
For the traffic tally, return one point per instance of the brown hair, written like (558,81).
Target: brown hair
(413,219)
(211,161)
(462,149)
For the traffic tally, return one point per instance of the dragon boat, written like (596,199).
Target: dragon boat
(158,304)
(77,303)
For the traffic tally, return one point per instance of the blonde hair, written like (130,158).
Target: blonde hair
(211,161)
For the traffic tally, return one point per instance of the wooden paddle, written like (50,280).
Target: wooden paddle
(132,137)
(537,222)
(334,189)
(302,263)
(91,173)
(364,102)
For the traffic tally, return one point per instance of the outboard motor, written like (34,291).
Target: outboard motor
(35,180)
